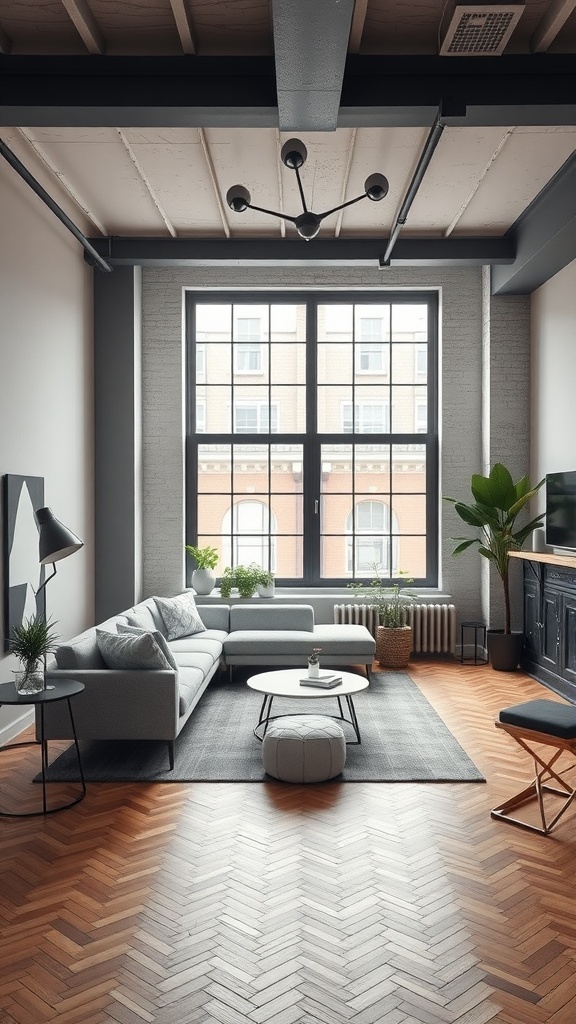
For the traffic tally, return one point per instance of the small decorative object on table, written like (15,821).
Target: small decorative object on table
(314,663)
(31,643)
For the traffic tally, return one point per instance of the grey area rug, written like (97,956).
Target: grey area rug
(403,740)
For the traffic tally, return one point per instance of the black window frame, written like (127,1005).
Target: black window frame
(312,441)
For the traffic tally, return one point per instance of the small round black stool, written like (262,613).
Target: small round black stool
(479,643)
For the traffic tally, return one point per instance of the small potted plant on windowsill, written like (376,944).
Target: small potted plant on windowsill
(32,642)
(265,585)
(393,634)
(242,578)
(203,577)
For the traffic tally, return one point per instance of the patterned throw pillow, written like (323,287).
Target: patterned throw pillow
(158,636)
(180,616)
(130,652)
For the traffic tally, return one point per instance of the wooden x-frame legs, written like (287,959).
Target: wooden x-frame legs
(545,772)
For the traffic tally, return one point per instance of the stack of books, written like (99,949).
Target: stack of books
(326,680)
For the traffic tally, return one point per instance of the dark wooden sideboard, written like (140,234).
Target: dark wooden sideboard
(549,651)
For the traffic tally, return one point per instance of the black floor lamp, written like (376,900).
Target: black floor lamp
(56,541)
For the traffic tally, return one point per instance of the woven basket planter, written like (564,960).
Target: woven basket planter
(393,646)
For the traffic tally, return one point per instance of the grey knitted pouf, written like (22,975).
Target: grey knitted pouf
(304,748)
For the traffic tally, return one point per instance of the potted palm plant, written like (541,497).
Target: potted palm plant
(32,642)
(203,577)
(498,502)
(393,634)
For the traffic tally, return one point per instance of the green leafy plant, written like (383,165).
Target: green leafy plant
(241,577)
(32,641)
(206,558)
(263,577)
(390,600)
(498,502)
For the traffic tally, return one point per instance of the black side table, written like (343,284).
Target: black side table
(64,690)
(479,631)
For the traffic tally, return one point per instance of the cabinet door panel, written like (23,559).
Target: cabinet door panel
(550,638)
(569,637)
(531,619)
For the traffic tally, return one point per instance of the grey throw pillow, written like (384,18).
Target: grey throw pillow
(180,616)
(158,636)
(123,651)
(141,617)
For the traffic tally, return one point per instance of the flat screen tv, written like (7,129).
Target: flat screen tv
(561,509)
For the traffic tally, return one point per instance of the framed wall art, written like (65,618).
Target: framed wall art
(23,573)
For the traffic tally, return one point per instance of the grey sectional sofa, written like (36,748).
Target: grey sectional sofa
(156,703)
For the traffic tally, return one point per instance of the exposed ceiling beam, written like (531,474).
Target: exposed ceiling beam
(184,25)
(544,237)
(415,252)
(481,179)
(310,44)
(281,220)
(358,19)
(86,25)
(550,24)
(241,92)
(146,182)
(5,42)
(213,180)
(346,180)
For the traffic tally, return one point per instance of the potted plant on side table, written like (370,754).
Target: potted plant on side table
(32,642)
(498,502)
(393,634)
(203,577)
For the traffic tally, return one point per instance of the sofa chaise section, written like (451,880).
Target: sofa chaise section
(284,635)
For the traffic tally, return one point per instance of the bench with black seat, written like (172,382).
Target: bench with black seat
(549,724)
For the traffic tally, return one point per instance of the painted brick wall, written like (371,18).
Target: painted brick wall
(461,430)
(506,389)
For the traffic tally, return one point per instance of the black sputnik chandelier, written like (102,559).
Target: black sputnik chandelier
(293,155)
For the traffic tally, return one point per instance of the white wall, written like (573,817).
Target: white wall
(46,385)
(553,357)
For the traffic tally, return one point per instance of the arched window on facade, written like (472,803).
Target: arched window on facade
(248,535)
(372,540)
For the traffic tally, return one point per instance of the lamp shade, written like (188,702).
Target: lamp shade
(56,541)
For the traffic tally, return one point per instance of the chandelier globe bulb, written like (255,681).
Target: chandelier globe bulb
(307,225)
(238,198)
(376,187)
(293,154)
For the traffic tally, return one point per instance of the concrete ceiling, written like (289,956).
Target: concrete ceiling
(144,113)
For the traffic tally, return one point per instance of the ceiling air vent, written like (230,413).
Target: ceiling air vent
(480,30)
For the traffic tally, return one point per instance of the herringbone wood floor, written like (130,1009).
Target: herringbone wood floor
(236,903)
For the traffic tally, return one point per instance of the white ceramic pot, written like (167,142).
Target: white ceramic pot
(265,591)
(203,581)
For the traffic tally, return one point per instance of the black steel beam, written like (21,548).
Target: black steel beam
(525,89)
(241,91)
(413,252)
(98,91)
(544,237)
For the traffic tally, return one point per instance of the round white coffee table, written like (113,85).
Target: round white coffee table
(285,682)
